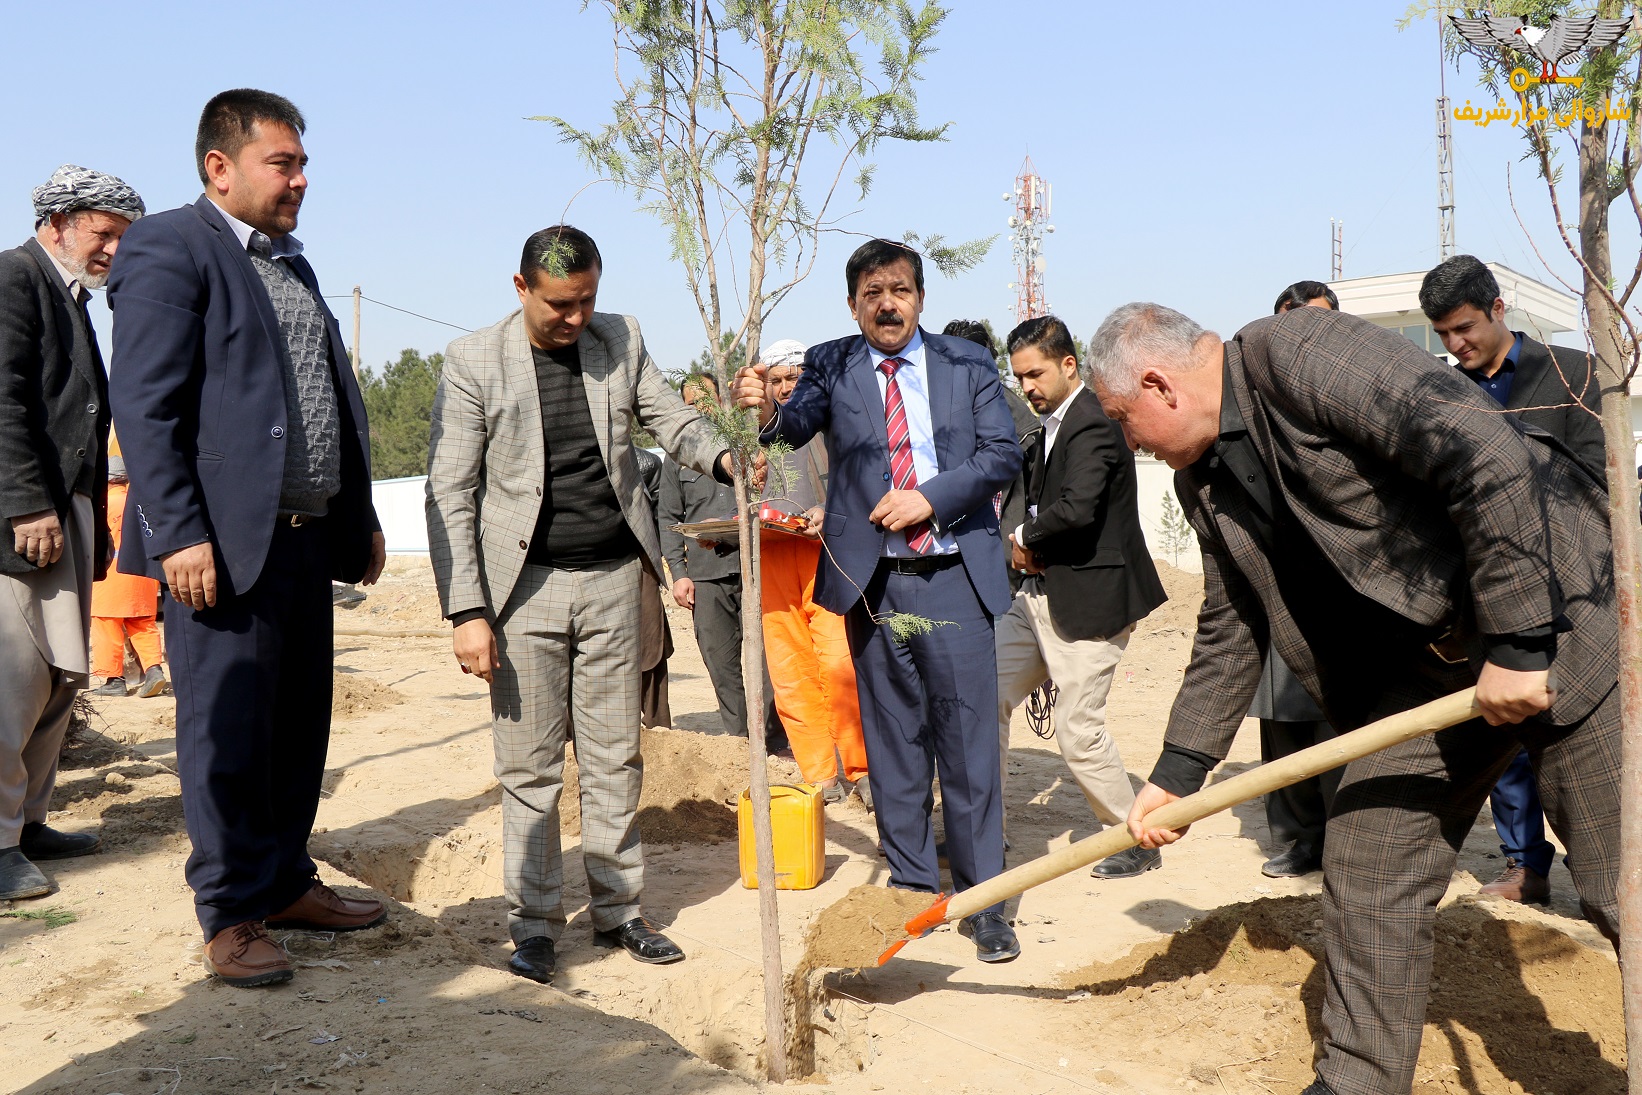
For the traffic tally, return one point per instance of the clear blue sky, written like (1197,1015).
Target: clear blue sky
(1196,157)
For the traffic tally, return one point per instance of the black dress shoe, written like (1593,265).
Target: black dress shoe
(1297,861)
(534,959)
(1318,1088)
(41,841)
(1129,863)
(19,878)
(641,941)
(994,939)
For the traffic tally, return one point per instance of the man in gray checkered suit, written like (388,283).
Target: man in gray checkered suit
(542,544)
(1373,518)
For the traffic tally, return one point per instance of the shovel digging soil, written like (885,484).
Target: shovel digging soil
(1404,726)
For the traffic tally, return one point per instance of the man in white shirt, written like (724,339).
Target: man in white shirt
(1089,575)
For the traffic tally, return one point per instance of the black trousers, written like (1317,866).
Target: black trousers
(717,617)
(930,706)
(1299,812)
(252,677)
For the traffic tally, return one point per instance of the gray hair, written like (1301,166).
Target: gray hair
(1138,336)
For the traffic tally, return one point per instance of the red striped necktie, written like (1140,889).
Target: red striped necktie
(919,538)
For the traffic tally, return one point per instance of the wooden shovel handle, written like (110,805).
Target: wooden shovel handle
(1426,719)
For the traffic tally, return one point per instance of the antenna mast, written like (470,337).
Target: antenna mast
(1445,162)
(1032,197)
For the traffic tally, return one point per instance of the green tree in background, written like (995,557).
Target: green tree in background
(399,404)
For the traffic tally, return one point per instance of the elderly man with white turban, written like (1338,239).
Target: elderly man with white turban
(812,675)
(54,424)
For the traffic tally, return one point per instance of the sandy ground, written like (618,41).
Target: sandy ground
(1198,977)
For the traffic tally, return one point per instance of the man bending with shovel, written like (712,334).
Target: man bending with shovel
(1372,517)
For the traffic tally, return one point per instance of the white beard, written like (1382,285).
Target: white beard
(75,266)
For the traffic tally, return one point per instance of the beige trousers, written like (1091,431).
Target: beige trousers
(44,622)
(1031,651)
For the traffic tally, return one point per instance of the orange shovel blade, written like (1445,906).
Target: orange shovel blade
(922,924)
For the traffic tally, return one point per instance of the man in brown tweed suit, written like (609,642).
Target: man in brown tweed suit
(1372,518)
(543,542)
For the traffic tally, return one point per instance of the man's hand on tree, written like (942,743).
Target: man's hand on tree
(761,468)
(814,517)
(899,509)
(38,537)
(750,391)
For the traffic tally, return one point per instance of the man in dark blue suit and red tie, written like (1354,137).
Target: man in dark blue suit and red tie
(921,439)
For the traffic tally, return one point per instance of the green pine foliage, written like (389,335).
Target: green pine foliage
(399,406)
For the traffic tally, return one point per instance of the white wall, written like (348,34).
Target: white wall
(399,506)
(1154,479)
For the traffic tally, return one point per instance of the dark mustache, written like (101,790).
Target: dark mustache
(888,319)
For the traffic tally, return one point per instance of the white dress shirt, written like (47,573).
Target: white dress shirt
(1051,430)
(913,380)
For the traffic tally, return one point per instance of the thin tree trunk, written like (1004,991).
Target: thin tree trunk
(1612,373)
(752,680)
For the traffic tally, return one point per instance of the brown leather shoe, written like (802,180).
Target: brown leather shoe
(245,956)
(323,909)
(1521,884)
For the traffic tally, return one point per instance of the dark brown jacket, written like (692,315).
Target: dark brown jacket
(1421,496)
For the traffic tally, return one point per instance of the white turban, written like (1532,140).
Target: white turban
(789,351)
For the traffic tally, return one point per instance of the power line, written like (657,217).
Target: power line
(396,308)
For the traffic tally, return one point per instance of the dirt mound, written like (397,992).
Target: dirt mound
(403,599)
(1179,612)
(854,930)
(691,782)
(354,694)
(445,850)
(442,850)
(1514,1006)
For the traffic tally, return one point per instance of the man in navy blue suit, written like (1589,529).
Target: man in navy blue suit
(921,439)
(246,446)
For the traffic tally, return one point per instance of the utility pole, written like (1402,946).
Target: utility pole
(1336,232)
(356,332)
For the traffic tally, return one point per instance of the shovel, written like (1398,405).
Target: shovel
(1406,725)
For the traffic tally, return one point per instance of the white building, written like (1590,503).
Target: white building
(1543,312)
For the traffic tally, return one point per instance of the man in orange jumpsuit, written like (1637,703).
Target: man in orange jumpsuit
(811,674)
(122,607)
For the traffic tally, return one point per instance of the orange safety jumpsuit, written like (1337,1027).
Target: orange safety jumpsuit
(122,607)
(811,673)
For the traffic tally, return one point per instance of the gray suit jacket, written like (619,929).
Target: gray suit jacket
(487,458)
(687,497)
(1417,492)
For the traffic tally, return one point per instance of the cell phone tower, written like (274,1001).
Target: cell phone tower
(1027,227)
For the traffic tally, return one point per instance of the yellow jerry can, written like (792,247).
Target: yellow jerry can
(798,828)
